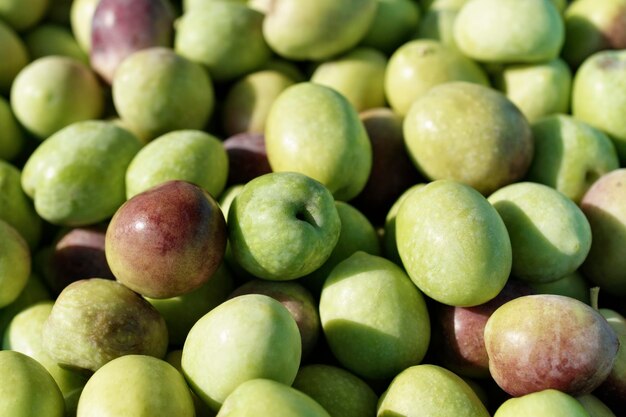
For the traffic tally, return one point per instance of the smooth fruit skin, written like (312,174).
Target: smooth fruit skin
(173,357)
(247,158)
(12,139)
(374,319)
(429,390)
(136,386)
(34,292)
(613,389)
(314,130)
(53,92)
(572,285)
(545,403)
(188,5)
(27,389)
(442,4)
(393,24)
(570,155)
(389,242)
(297,299)
(453,244)
(167,240)
(460,332)
(592,26)
(16,53)
(142,81)
(357,234)
(53,39)
(438,24)
(358,75)
(598,94)
(488,30)
(550,235)
(94,321)
(15,207)
(23,14)
(265,397)
(604,205)
(24,335)
(419,65)
(15,264)
(340,392)
(560,5)
(283,225)
(481,139)
(182,312)
(537,89)
(76,254)
(540,342)
(76,176)
(247,337)
(121,27)
(225,36)
(303,30)
(81,15)
(249,100)
(188,155)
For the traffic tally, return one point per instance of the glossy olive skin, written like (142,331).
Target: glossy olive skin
(247,158)
(27,388)
(166,241)
(136,25)
(604,206)
(544,341)
(297,299)
(469,133)
(453,244)
(77,254)
(462,345)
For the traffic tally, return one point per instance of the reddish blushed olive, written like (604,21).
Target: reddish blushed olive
(166,241)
